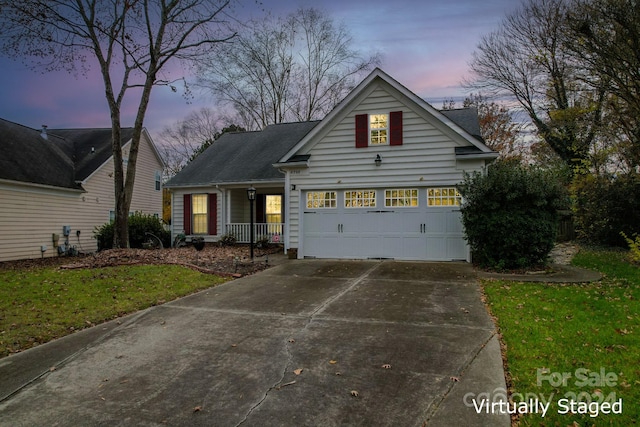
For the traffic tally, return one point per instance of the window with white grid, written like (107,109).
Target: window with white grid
(321,199)
(360,199)
(401,197)
(445,196)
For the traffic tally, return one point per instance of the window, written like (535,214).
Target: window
(360,199)
(321,199)
(401,197)
(199,207)
(200,213)
(378,129)
(273,209)
(158,180)
(443,197)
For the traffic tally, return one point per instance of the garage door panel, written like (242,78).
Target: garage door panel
(413,233)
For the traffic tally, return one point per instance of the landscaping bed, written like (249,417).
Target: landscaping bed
(214,259)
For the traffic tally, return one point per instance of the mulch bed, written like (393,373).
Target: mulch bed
(213,259)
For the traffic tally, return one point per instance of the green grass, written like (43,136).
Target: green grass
(41,304)
(578,329)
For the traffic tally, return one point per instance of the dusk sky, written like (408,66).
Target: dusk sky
(426,46)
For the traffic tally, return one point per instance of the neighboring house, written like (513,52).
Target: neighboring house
(376,178)
(60,181)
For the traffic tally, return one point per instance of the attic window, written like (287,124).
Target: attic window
(374,130)
(378,129)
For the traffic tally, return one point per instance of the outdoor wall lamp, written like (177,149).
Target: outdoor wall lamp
(378,160)
(251,195)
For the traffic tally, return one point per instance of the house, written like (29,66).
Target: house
(56,186)
(376,178)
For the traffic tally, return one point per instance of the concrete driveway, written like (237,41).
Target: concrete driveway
(306,343)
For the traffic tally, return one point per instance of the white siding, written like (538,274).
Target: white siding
(29,215)
(426,157)
(177,210)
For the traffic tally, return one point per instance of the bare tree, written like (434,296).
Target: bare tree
(179,141)
(526,60)
(605,35)
(132,41)
(285,69)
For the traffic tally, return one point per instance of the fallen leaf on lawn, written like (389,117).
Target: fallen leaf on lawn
(386,366)
(455,379)
(197,409)
(622,331)
(298,371)
(333,362)
(355,393)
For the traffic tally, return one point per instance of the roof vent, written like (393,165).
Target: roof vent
(43,134)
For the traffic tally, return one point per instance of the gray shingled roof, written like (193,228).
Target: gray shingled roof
(248,156)
(467,119)
(243,156)
(61,160)
(89,148)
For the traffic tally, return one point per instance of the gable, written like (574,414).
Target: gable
(380,94)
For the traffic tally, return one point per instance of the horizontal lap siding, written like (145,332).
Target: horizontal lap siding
(145,196)
(426,157)
(29,216)
(177,211)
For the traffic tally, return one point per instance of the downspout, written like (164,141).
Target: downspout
(287,210)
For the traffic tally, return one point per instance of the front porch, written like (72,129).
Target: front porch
(242,232)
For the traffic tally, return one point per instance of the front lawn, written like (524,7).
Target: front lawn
(575,343)
(44,303)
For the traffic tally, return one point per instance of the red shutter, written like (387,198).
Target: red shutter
(187,213)
(362,130)
(395,127)
(212,211)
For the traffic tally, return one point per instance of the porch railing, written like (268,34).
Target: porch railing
(242,231)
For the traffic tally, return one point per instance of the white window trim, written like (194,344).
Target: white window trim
(193,214)
(333,199)
(410,198)
(457,198)
(361,199)
(370,129)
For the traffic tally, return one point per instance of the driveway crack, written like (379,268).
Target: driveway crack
(350,284)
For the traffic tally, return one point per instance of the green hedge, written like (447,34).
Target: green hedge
(605,206)
(510,214)
(139,225)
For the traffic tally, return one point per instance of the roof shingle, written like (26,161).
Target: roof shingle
(63,159)
(243,156)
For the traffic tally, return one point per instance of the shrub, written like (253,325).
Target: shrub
(228,239)
(605,206)
(263,242)
(510,214)
(139,225)
(634,248)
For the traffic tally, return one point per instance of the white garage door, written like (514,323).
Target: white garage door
(398,223)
